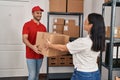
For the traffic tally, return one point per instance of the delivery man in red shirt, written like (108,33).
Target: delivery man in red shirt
(30,29)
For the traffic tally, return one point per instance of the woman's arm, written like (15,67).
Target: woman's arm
(59,47)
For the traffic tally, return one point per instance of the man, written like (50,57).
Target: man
(30,29)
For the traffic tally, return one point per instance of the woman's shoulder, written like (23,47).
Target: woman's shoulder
(84,39)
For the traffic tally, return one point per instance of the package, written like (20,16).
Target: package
(57,5)
(72,31)
(59,21)
(75,6)
(117,78)
(70,22)
(58,28)
(116,32)
(65,60)
(53,61)
(54,38)
(107,0)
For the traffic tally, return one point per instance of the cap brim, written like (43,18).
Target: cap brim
(42,10)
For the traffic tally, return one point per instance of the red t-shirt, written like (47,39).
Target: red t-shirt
(31,28)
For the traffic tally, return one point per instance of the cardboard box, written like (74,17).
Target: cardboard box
(111,0)
(60,21)
(54,38)
(117,78)
(75,6)
(72,31)
(107,0)
(61,61)
(58,29)
(57,5)
(66,60)
(53,61)
(70,22)
(116,32)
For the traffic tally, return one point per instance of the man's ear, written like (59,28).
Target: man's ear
(32,13)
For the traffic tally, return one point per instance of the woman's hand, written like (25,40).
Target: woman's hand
(59,47)
(47,44)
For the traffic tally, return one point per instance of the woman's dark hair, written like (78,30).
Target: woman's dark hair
(97,32)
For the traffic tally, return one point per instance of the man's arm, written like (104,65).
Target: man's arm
(27,43)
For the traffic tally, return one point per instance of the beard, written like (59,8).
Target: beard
(36,18)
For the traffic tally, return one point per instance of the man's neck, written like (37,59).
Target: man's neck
(36,21)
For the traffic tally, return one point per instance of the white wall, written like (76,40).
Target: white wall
(13,15)
(12,57)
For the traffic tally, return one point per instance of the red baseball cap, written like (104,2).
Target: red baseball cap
(37,8)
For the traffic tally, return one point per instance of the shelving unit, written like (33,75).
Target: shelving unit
(112,42)
(80,23)
(80,19)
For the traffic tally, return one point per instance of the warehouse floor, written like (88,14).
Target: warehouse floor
(25,78)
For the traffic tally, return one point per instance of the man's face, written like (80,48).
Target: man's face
(37,15)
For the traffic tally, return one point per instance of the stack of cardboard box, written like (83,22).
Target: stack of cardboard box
(75,6)
(66,6)
(67,27)
(65,60)
(116,32)
(57,5)
(58,25)
(71,29)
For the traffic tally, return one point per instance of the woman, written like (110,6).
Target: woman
(86,50)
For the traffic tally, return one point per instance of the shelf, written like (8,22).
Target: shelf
(61,66)
(64,13)
(79,15)
(107,67)
(60,75)
(110,4)
(66,75)
(111,42)
(116,41)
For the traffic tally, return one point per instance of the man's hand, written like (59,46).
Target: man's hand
(27,43)
(35,49)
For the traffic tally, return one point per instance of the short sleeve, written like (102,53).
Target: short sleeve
(25,29)
(44,28)
(77,46)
